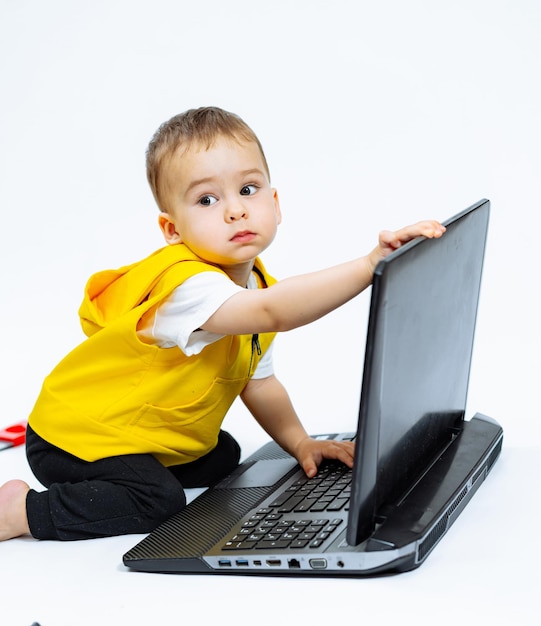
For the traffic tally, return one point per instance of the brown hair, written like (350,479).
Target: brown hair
(195,126)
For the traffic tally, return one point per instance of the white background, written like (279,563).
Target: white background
(372,115)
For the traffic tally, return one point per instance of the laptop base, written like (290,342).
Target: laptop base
(404,536)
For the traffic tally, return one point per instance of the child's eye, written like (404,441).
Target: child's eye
(248,190)
(207,200)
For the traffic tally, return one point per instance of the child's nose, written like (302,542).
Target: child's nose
(236,212)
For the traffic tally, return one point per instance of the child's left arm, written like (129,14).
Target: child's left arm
(269,403)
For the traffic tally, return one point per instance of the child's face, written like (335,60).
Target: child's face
(220,203)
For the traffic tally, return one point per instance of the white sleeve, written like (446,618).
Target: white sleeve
(178,319)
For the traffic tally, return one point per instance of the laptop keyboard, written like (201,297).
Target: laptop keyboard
(276,526)
(329,490)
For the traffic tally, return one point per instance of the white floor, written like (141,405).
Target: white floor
(486,567)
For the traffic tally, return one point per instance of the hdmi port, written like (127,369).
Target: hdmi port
(274,562)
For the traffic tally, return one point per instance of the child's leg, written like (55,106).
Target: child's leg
(212,467)
(112,496)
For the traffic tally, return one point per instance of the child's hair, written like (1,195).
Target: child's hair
(196,126)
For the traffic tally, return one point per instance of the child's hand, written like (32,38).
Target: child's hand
(311,452)
(390,241)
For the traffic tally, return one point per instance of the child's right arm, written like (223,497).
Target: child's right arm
(297,301)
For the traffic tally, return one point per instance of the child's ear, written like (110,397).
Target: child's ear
(169,229)
(277,206)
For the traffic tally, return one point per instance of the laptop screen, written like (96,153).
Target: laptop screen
(417,363)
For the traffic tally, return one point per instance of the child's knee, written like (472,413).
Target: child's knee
(230,449)
(170,500)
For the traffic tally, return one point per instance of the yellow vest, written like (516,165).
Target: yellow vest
(114,394)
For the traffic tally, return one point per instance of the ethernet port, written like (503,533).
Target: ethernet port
(294,564)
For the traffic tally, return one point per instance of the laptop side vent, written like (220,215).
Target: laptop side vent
(480,472)
(439,529)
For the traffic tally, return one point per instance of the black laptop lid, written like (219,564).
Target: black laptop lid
(417,362)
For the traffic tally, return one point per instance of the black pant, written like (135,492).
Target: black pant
(119,495)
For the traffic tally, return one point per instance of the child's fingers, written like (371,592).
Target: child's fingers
(341,451)
(310,468)
(426,228)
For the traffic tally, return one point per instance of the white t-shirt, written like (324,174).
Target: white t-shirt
(177,321)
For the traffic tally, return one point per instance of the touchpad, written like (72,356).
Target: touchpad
(261,474)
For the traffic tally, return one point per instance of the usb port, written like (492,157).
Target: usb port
(224,563)
(242,562)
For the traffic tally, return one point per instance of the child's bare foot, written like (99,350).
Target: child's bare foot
(13,520)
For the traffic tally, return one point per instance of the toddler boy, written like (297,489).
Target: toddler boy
(133,414)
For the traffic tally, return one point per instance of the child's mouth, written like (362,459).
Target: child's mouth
(243,237)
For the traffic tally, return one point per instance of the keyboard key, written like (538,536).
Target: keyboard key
(319,507)
(305,505)
(337,504)
(281,499)
(269,524)
(272,545)
(290,504)
(250,524)
(299,543)
(290,536)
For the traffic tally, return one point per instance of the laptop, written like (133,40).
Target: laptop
(418,461)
